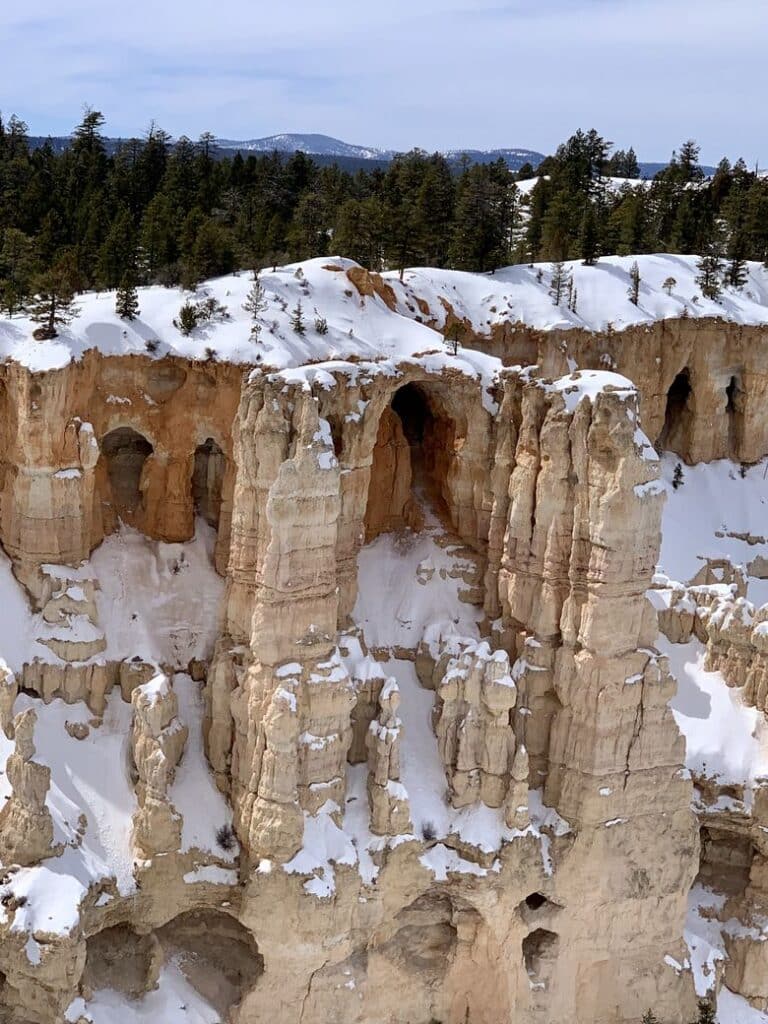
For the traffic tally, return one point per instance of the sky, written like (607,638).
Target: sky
(439,74)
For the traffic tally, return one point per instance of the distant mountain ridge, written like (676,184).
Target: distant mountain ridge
(325,149)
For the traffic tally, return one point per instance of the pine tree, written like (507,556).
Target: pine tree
(297,319)
(710,267)
(187,319)
(256,300)
(127,299)
(669,284)
(53,304)
(321,325)
(588,236)
(706,1013)
(634,284)
(736,272)
(677,477)
(559,281)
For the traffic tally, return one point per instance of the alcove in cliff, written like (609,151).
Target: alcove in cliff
(734,408)
(678,417)
(415,445)
(217,955)
(208,480)
(125,451)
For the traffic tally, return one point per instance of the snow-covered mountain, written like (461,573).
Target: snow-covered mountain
(327,146)
(316,145)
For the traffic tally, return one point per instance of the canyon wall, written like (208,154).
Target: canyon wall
(552,882)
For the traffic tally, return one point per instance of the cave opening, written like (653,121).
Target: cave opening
(125,451)
(208,481)
(535,901)
(120,958)
(539,955)
(673,436)
(218,956)
(415,446)
(734,408)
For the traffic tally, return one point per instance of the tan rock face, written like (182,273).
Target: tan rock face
(26,825)
(550,720)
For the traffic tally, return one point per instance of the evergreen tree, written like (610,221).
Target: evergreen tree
(53,304)
(710,269)
(127,298)
(588,236)
(297,319)
(256,300)
(707,1014)
(634,284)
(669,284)
(321,325)
(559,281)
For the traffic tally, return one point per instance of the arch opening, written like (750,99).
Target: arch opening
(218,956)
(208,481)
(415,447)
(678,413)
(120,958)
(125,451)
(539,955)
(426,936)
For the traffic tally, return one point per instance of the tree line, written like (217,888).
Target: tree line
(172,213)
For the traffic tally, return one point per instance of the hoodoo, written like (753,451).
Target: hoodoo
(356,674)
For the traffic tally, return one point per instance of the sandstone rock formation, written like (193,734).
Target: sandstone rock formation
(455,785)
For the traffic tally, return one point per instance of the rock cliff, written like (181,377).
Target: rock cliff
(343,686)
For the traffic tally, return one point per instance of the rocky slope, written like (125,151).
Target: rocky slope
(337,679)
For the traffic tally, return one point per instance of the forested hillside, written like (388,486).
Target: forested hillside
(157,212)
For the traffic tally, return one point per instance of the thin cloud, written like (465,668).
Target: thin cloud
(438,74)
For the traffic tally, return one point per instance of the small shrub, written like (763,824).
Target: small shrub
(210,354)
(225,837)
(677,477)
(187,319)
(321,325)
(428,831)
(743,470)
(151,345)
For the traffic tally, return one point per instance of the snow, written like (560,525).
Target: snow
(714,498)
(160,602)
(515,294)
(733,1009)
(396,602)
(325,844)
(725,739)
(212,874)
(703,936)
(194,793)
(79,786)
(364,327)
(174,1001)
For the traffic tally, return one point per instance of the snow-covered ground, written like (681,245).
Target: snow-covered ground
(174,1001)
(725,739)
(162,602)
(364,327)
(714,498)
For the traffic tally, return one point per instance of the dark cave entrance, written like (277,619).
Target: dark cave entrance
(218,956)
(125,451)
(539,956)
(674,436)
(415,446)
(208,481)
(734,408)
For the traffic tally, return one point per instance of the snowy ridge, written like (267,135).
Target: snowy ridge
(365,328)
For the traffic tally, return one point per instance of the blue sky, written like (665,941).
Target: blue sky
(398,73)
